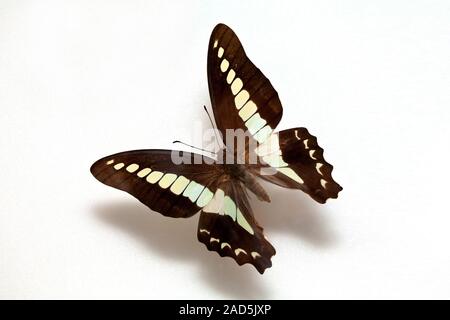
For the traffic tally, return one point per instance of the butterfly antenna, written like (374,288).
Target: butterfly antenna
(177,141)
(214,127)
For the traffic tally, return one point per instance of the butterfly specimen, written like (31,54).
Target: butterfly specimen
(242,98)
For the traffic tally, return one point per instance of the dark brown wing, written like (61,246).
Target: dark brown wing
(227,225)
(293,159)
(241,96)
(152,177)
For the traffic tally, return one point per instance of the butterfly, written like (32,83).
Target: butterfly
(243,99)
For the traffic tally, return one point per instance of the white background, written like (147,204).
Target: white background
(83,79)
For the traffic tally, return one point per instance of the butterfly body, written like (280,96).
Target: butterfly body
(240,173)
(179,184)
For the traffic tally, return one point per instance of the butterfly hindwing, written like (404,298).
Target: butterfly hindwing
(241,96)
(293,159)
(152,177)
(227,225)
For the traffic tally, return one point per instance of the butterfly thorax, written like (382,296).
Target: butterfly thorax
(239,172)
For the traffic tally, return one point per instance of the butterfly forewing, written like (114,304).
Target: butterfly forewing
(152,177)
(241,96)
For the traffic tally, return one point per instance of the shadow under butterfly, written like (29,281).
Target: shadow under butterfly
(242,98)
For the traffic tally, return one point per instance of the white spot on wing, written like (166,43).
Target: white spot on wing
(144,172)
(230,76)
(132,167)
(255,255)
(275,160)
(215,44)
(305,142)
(220,52)
(323,183)
(239,250)
(193,191)
(119,166)
(311,154)
(248,110)
(154,176)
(213,240)
(318,166)
(236,86)
(205,197)
(179,185)
(224,65)
(167,180)
(110,162)
(255,123)
(243,222)
(241,99)
(291,174)
(204,231)
(230,207)
(224,244)
(216,205)
(262,134)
